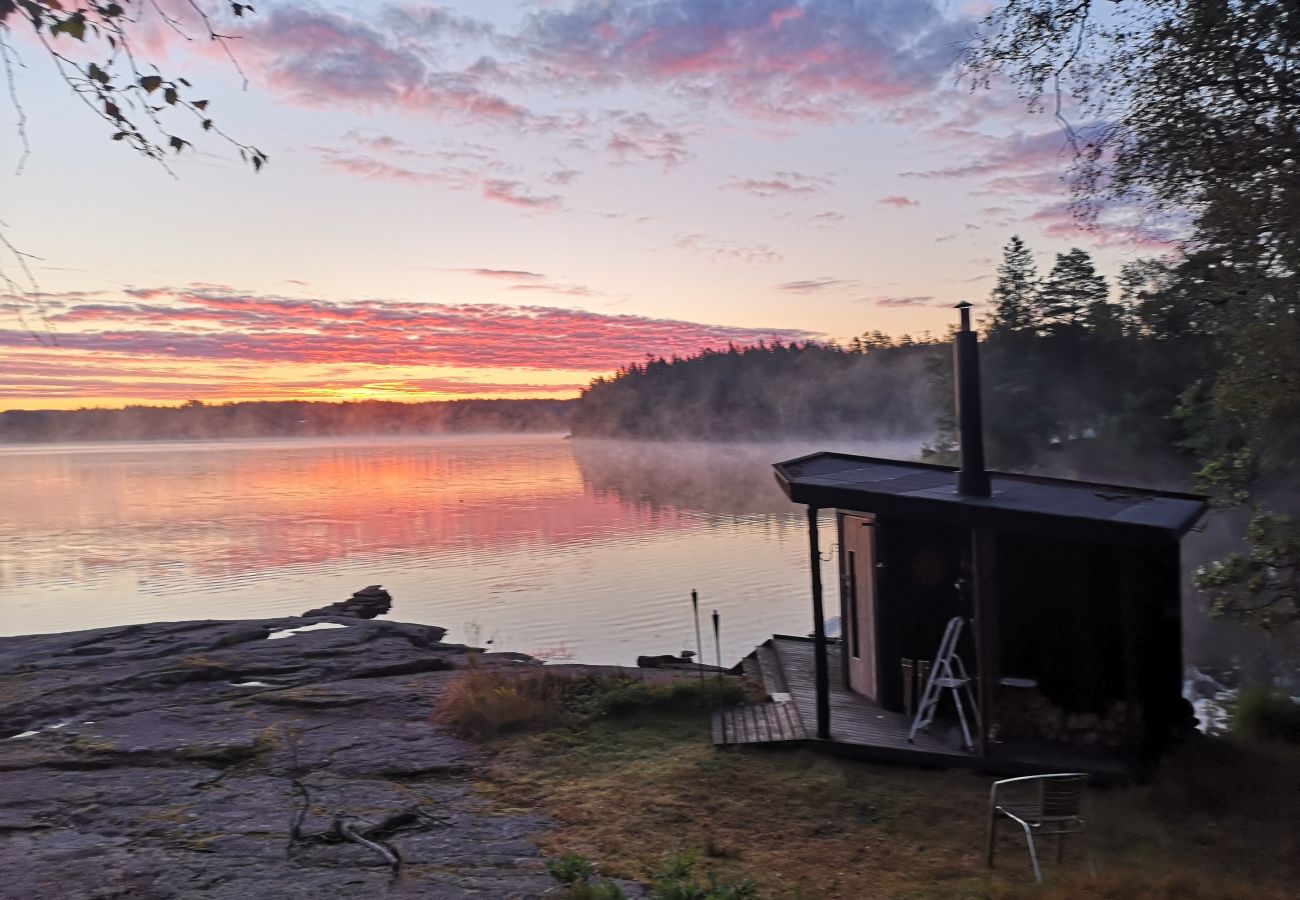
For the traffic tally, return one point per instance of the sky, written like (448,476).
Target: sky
(498,199)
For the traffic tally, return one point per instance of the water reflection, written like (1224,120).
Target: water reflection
(534,543)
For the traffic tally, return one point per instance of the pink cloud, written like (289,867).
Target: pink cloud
(726,251)
(899,201)
(226,327)
(814,59)
(782,183)
(509,274)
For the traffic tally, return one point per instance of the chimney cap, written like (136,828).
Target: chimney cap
(965,304)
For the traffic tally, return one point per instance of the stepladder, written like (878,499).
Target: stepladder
(948,673)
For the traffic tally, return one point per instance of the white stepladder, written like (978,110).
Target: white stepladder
(948,673)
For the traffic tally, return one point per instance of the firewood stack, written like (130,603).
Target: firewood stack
(1027,715)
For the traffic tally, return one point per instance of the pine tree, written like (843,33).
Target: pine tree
(1074,295)
(1015,295)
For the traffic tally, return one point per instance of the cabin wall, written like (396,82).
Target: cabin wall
(1096,625)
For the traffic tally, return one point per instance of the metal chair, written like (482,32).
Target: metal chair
(1043,805)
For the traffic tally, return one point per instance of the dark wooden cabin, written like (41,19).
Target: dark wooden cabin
(1069,593)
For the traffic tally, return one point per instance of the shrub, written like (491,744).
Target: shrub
(677,881)
(575,873)
(621,696)
(1267,715)
(485,703)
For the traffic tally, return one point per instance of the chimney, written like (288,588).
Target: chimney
(972,479)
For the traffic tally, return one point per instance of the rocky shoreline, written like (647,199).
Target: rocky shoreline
(175,759)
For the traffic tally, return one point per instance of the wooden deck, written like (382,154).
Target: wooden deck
(856,721)
(758,723)
(859,727)
(785,665)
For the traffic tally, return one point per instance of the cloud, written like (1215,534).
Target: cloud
(509,274)
(145,336)
(570,290)
(1113,224)
(899,201)
(773,59)
(814,285)
(900,301)
(490,186)
(638,136)
(782,183)
(516,193)
(726,251)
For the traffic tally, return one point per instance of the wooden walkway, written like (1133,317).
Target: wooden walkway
(758,723)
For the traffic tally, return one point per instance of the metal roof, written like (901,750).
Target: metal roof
(867,484)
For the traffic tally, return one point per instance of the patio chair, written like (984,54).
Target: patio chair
(1044,806)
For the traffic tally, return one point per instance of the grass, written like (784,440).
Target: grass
(487,703)
(633,793)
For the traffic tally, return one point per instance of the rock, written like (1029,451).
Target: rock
(163,760)
(366,603)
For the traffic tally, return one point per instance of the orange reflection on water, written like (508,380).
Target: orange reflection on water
(255,505)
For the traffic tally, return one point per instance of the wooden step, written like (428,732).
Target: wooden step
(758,723)
(773,674)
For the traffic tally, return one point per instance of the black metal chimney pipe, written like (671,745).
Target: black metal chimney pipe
(972,479)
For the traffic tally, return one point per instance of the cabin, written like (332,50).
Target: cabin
(1010,622)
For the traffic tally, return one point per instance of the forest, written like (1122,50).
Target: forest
(289,418)
(874,387)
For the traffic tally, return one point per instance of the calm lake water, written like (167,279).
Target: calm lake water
(584,550)
(563,549)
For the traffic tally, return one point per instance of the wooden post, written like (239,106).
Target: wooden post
(984,603)
(820,673)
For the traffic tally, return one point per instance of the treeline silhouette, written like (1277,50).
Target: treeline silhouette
(198,421)
(1080,380)
(872,387)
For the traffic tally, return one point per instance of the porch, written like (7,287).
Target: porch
(785,665)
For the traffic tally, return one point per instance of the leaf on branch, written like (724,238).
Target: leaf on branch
(112,11)
(184,82)
(207,124)
(170,95)
(151,83)
(177,143)
(54,4)
(119,135)
(110,109)
(95,73)
(73,26)
(200,104)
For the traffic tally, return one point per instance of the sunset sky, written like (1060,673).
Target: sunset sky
(498,199)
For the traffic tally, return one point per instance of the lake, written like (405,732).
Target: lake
(583,550)
(565,549)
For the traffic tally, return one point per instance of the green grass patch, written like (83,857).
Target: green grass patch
(633,793)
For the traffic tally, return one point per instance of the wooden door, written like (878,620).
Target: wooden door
(859,569)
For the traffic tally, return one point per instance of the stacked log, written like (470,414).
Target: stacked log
(1025,714)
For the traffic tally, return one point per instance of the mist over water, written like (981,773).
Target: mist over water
(567,549)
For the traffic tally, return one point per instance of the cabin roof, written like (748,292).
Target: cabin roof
(868,484)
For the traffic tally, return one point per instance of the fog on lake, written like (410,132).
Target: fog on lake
(564,549)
